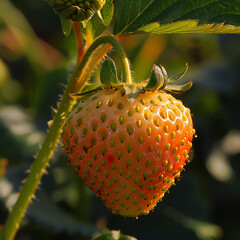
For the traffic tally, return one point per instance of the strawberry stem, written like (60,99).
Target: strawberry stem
(79,41)
(76,83)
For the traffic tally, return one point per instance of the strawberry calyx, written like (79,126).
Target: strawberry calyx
(158,82)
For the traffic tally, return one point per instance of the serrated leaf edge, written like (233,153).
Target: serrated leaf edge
(189,26)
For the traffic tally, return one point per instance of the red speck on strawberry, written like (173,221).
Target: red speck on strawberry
(110,159)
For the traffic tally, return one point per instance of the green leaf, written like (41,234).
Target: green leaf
(66,26)
(114,235)
(95,26)
(189,26)
(85,93)
(176,16)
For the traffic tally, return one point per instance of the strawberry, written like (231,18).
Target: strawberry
(129,154)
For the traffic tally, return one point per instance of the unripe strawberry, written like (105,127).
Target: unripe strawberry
(129,154)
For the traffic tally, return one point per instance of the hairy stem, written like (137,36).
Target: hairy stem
(122,55)
(76,84)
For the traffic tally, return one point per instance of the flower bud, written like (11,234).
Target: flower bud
(77,10)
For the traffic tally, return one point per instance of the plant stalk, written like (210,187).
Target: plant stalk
(76,84)
(79,41)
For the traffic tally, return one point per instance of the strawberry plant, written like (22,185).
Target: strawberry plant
(128,139)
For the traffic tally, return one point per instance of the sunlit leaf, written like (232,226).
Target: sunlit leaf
(176,16)
(189,26)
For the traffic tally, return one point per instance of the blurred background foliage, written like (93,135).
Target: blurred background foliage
(35,62)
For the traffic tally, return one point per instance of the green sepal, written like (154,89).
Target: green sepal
(179,88)
(178,76)
(108,73)
(132,92)
(66,26)
(84,94)
(158,78)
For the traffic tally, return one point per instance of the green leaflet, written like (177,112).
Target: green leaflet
(176,16)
